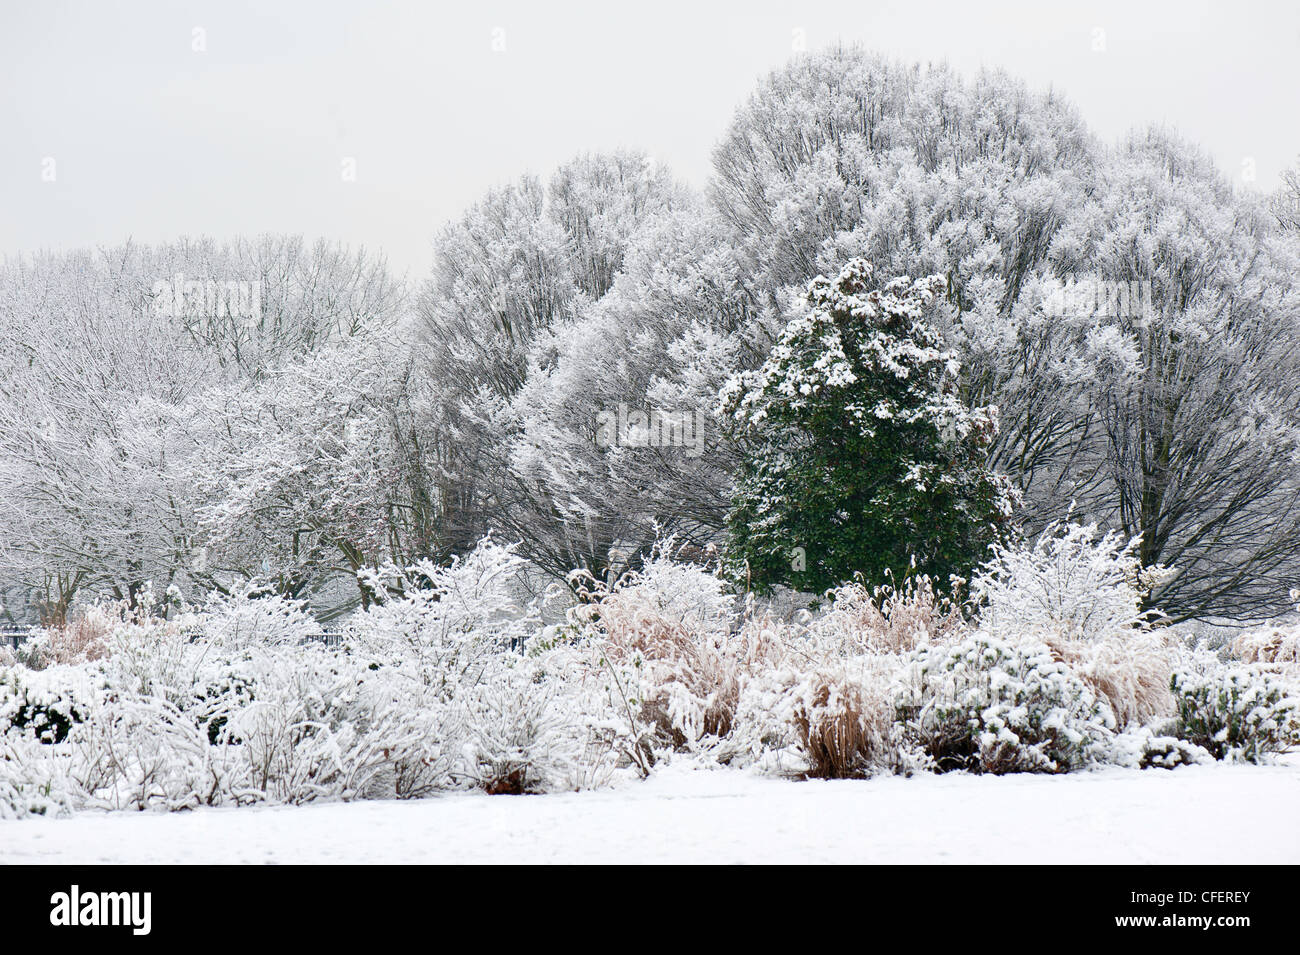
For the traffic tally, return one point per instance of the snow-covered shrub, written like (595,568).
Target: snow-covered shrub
(1069,581)
(32,782)
(82,638)
(524,731)
(45,704)
(1169,752)
(157,657)
(449,644)
(1129,670)
(842,717)
(1152,747)
(818,701)
(88,632)
(669,627)
(301,736)
(437,686)
(418,758)
(249,617)
(1235,712)
(988,705)
(754,728)
(1276,647)
(280,722)
(141,752)
(886,619)
(442,624)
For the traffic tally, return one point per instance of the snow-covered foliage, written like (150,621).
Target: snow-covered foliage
(672,627)
(45,704)
(865,458)
(841,716)
(885,619)
(432,689)
(249,617)
(1072,581)
(1235,712)
(442,624)
(990,706)
(31,783)
(1275,647)
(1082,593)
(1130,671)
(452,678)
(1146,748)
(819,700)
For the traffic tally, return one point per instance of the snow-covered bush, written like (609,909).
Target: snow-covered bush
(248,617)
(89,630)
(141,752)
(1279,645)
(449,643)
(1130,670)
(885,619)
(1070,581)
(842,717)
(1235,712)
(45,704)
(31,782)
(1276,647)
(525,730)
(442,624)
(298,734)
(77,640)
(1153,747)
(819,700)
(156,657)
(987,705)
(669,627)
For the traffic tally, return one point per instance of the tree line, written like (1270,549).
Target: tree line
(355,418)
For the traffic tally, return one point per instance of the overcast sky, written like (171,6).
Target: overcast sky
(151,138)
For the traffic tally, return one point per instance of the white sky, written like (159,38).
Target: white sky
(153,140)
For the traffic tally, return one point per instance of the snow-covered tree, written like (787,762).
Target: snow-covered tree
(309,474)
(1005,193)
(867,462)
(105,359)
(1190,407)
(660,343)
(920,170)
(1286,201)
(514,282)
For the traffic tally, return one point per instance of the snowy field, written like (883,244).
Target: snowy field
(1198,814)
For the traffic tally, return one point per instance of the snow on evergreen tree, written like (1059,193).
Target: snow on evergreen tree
(865,459)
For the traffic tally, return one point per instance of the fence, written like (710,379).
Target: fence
(15,637)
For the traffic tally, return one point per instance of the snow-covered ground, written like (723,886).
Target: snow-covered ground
(1198,814)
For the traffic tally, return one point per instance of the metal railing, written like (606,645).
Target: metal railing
(15,637)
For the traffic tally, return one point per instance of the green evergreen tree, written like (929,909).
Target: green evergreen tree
(864,458)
